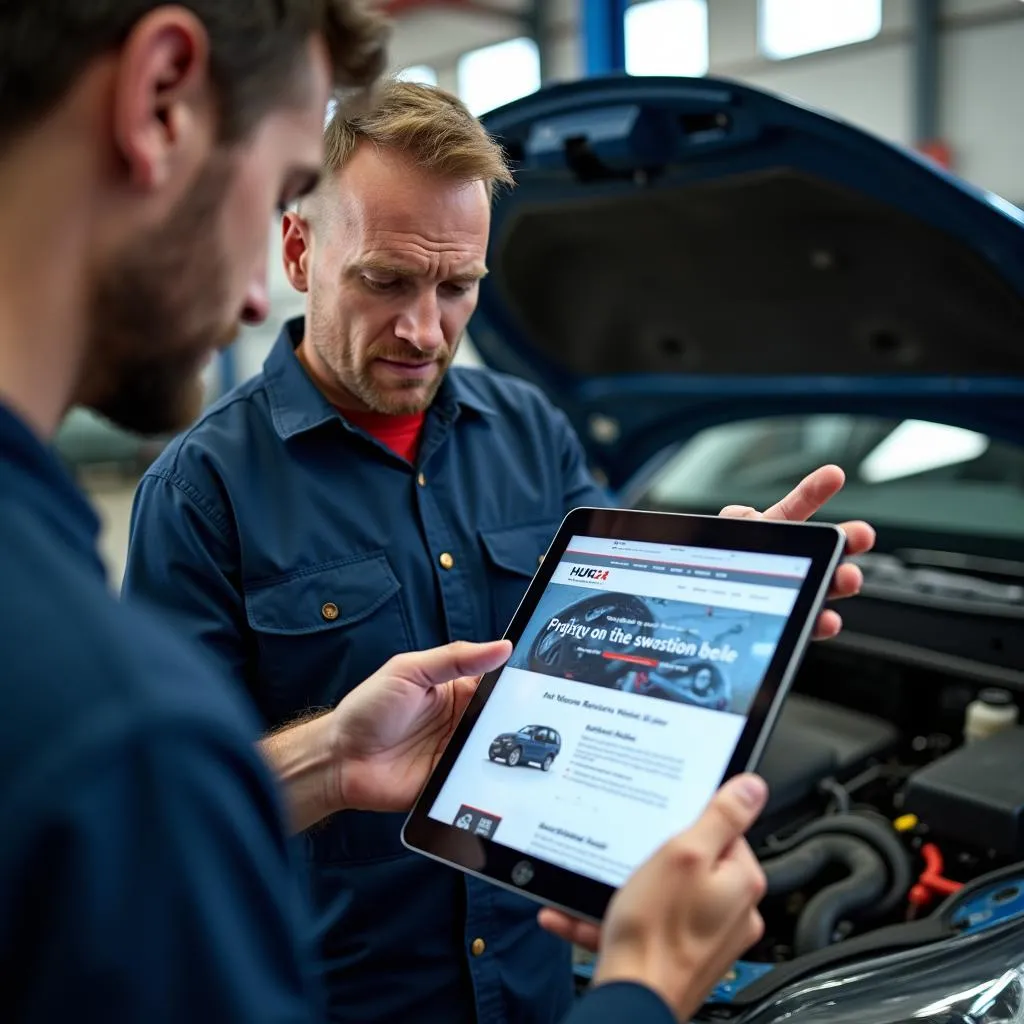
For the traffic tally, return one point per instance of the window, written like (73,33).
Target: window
(789,28)
(422,73)
(495,75)
(667,37)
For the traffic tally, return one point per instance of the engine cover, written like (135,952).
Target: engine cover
(814,740)
(975,795)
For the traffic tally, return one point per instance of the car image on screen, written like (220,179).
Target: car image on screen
(536,745)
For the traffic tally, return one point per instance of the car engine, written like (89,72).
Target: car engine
(894,785)
(897,790)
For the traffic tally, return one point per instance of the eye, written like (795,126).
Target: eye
(459,287)
(375,285)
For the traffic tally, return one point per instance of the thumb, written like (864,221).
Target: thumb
(732,810)
(443,664)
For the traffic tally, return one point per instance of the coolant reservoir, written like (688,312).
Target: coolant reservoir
(990,712)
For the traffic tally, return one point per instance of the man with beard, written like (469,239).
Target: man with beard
(144,873)
(357,499)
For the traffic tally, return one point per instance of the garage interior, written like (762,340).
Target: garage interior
(934,647)
(943,77)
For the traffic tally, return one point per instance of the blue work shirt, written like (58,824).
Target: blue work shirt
(144,865)
(302,554)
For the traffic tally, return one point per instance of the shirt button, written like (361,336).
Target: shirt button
(330,611)
(446,560)
(478,947)
(421,480)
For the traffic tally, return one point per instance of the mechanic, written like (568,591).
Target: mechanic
(144,873)
(357,499)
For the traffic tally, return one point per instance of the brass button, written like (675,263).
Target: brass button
(446,560)
(540,559)
(421,480)
(330,611)
(478,947)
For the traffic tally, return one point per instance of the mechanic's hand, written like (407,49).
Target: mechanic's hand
(687,914)
(390,731)
(810,495)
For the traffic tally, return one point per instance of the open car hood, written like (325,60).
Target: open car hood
(683,252)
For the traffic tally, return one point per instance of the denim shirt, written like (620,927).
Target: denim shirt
(302,554)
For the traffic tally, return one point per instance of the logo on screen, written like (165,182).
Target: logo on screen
(584,572)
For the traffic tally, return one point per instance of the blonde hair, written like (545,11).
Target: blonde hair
(430,126)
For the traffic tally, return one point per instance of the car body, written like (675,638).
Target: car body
(536,745)
(724,290)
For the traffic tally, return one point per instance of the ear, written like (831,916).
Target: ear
(164,105)
(296,250)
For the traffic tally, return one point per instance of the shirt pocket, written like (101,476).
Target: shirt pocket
(322,630)
(513,554)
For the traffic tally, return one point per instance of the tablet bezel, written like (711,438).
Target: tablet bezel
(550,884)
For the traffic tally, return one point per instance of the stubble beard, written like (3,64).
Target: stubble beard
(357,380)
(158,312)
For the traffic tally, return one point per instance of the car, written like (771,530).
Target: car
(723,289)
(532,745)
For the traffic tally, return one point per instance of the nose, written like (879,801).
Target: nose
(257,304)
(419,323)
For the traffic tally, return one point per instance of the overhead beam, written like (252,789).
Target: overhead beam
(926,79)
(604,36)
(539,30)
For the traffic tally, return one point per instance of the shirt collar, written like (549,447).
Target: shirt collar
(44,484)
(297,405)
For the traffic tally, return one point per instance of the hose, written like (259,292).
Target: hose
(864,884)
(878,873)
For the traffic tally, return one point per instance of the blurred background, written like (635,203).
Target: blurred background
(946,78)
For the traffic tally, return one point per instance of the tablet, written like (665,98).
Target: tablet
(652,652)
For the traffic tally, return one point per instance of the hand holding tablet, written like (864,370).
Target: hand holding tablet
(651,656)
(686,914)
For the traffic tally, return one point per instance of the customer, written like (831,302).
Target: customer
(143,868)
(358,499)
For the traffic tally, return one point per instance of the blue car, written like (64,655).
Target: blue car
(724,290)
(536,745)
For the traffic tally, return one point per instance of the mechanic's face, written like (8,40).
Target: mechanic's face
(179,290)
(392,269)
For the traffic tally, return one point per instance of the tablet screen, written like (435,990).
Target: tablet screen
(617,715)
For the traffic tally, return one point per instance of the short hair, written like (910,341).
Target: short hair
(428,125)
(257,47)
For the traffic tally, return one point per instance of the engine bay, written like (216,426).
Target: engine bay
(896,816)
(897,803)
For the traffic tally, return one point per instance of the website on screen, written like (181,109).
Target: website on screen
(619,710)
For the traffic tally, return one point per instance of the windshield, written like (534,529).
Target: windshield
(906,474)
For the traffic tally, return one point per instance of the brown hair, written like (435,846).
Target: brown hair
(429,125)
(256,50)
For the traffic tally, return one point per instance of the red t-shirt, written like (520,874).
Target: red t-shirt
(399,433)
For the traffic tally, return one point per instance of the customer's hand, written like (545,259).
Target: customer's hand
(689,912)
(807,498)
(390,731)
